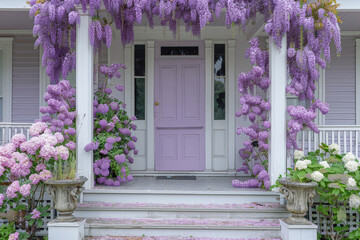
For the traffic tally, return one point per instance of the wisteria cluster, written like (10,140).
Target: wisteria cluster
(256,108)
(55,22)
(55,27)
(310,29)
(113,141)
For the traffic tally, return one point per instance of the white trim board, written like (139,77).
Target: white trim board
(357,81)
(6,47)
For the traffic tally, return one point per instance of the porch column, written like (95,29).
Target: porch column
(278,76)
(84,99)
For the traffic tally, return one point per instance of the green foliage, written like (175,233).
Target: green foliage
(338,188)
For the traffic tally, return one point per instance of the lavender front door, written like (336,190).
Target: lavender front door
(179,115)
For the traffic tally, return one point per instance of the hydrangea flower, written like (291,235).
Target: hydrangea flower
(35,214)
(317,176)
(14,236)
(348,157)
(300,165)
(298,154)
(354,201)
(352,166)
(351,182)
(325,164)
(334,148)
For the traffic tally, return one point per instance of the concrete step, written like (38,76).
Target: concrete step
(168,238)
(233,196)
(172,211)
(183,227)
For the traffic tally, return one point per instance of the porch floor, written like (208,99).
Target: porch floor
(200,184)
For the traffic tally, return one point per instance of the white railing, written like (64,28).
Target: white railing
(346,136)
(7,130)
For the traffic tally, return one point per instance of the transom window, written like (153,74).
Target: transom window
(180,51)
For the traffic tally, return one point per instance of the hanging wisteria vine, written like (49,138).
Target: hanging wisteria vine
(310,29)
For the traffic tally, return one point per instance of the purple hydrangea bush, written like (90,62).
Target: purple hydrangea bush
(113,140)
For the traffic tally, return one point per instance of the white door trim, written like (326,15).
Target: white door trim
(150,64)
(6,47)
(209,49)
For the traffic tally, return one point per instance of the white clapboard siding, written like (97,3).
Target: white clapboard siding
(340,85)
(25,81)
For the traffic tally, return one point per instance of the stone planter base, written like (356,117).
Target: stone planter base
(67,230)
(290,231)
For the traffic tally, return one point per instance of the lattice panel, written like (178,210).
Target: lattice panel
(353,217)
(45,202)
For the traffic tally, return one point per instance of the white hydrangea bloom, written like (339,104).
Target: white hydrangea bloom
(354,201)
(300,165)
(351,182)
(298,154)
(317,176)
(325,164)
(352,166)
(348,157)
(307,161)
(334,147)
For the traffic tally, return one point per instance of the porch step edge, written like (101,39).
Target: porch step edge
(246,208)
(111,223)
(182,192)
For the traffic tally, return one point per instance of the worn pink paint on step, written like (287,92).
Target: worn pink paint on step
(179,115)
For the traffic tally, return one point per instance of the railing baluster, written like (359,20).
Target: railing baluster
(357,143)
(351,141)
(309,141)
(332,137)
(3,135)
(316,140)
(339,140)
(345,142)
(326,137)
(303,140)
(10,133)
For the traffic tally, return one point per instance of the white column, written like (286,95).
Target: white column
(357,81)
(84,100)
(278,76)
(208,99)
(150,138)
(231,103)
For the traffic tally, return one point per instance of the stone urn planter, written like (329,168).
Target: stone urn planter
(298,196)
(64,194)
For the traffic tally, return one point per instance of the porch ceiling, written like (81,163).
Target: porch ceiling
(15,20)
(351,21)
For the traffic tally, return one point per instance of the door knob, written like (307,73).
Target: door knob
(156,103)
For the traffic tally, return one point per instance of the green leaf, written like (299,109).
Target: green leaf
(40,223)
(302,174)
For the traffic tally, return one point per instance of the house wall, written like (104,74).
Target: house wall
(25,80)
(340,85)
